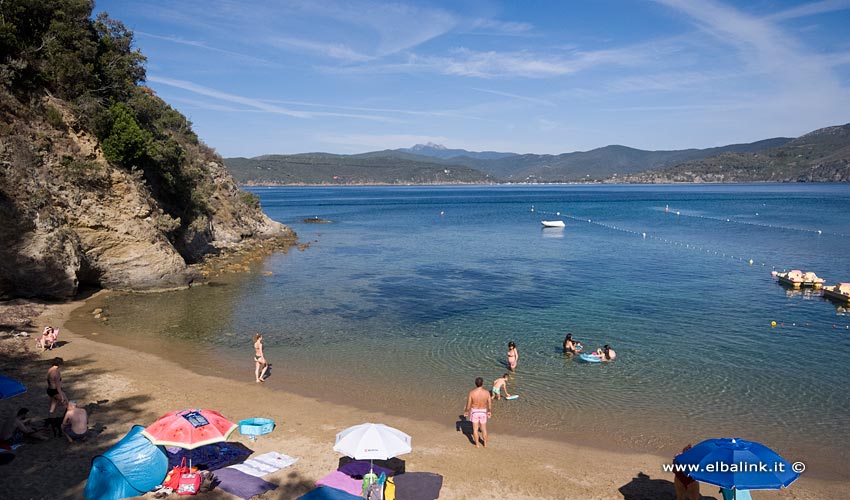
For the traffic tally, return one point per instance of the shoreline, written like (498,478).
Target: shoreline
(121,387)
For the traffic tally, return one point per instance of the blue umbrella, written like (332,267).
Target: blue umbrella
(737,464)
(10,387)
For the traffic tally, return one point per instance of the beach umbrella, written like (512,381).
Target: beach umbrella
(737,464)
(189,429)
(372,442)
(10,387)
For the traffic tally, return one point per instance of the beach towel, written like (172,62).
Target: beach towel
(359,468)
(418,486)
(342,481)
(240,484)
(396,465)
(328,493)
(265,464)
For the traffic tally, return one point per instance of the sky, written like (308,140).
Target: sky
(532,76)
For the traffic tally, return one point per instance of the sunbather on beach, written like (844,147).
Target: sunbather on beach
(571,346)
(75,425)
(48,338)
(478,409)
(513,356)
(499,385)
(54,385)
(262,366)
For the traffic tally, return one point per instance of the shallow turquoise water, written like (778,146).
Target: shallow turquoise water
(414,291)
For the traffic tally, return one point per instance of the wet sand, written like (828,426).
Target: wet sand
(121,387)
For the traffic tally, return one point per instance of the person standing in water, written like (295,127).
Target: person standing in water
(571,346)
(513,356)
(259,359)
(478,408)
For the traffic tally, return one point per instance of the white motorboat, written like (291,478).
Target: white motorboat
(552,223)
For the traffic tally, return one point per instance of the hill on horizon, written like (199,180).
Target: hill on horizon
(432,162)
(819,156)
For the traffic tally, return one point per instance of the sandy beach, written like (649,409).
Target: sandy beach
(120,387)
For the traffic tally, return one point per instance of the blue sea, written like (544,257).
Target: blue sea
(411,292)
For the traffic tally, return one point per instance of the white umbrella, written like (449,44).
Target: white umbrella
(372,442)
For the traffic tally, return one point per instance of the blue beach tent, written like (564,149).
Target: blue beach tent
(130,468)
(10,387)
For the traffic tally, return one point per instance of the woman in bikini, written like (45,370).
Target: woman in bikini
(571,346)
(513,356)
(259,359)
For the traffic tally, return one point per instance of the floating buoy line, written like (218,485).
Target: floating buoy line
(818,232)
(650,236)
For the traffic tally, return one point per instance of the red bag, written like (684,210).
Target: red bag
(172,479)
(189,484)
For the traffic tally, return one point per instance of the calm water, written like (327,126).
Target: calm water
(413,291)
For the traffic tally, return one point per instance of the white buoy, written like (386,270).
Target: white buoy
(819,231)
(558,213)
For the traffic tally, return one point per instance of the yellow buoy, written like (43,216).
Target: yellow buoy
(773,324)
(751,261)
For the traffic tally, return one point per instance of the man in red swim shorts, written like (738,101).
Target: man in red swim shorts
(478,410)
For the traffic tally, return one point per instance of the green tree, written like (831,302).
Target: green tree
(127,144)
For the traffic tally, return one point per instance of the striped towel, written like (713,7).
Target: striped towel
(264,464)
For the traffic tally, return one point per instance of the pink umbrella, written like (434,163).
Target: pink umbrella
(189,429)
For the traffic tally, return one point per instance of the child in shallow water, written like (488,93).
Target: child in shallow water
(499,385)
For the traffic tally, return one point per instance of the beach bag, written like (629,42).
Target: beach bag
(375,491)
(389,489)
(172,480)
(189,484)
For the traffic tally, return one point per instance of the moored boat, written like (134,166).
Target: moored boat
(552,223)
(796,278)
(839,292)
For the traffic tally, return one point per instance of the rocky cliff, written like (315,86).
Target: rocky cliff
(102,185)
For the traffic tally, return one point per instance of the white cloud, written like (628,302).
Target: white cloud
(501,27)
(398,26)
(203,45)
(332,50)
(259,104)
(535,100)
(811,9)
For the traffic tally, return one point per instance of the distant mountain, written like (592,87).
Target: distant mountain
(439,151)
(599,163)
(370,168)
(822,155)
(819,156)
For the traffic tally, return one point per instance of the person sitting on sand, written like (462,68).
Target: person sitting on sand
(499,385)
(75,425)
(262,366)
(48,338)
(571,346)
(605,353)
(16,428)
